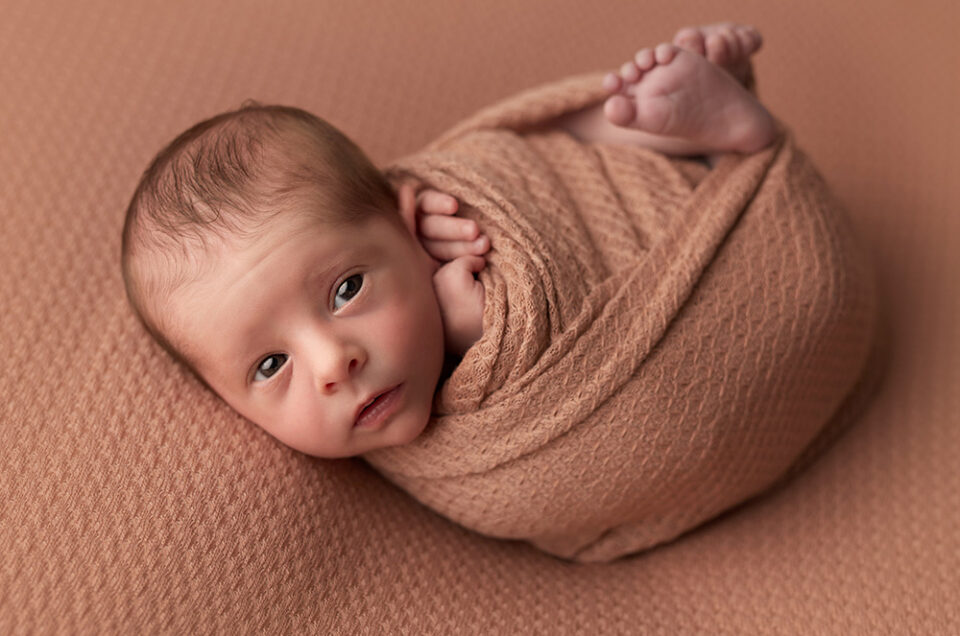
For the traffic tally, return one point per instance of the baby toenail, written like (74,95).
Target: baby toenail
(630,72)
(663,53)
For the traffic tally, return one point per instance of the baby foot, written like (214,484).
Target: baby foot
(672,92)
(726,44)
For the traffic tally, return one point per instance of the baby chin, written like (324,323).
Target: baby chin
(407,422)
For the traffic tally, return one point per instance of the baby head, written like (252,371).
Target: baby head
(264,250)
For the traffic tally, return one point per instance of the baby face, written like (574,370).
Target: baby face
(301,328)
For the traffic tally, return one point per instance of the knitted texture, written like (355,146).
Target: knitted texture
(655,349)
(132,501)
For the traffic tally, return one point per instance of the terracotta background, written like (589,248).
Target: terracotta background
(131,500)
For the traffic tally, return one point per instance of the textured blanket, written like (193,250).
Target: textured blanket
(661,341)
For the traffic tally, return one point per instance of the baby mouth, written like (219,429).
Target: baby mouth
(378,408)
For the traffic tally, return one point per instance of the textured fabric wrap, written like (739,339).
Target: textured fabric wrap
(660,341)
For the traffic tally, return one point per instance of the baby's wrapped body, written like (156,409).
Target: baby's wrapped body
(660,341)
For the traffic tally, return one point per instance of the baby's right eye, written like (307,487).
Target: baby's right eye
(269,366)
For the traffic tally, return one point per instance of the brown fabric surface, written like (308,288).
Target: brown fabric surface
(654,350)
(134,501)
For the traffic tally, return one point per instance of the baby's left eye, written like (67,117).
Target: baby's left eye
(348,289)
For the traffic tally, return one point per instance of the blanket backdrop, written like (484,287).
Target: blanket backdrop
(661,341)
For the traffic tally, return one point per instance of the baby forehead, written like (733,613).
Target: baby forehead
(214,293)
(283,251)
(288,250)
(199,248)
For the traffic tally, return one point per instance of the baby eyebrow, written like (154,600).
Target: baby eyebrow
(316,278)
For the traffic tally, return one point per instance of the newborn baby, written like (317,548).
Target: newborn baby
(647,309)
(263,249)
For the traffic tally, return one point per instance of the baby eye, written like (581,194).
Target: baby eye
(348,289)
(269,366)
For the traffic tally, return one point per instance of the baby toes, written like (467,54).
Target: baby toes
(717,50)
(644,59)
(620,110)
(691,39)
(750,39)
(612,83)
(664,53)
(733,41)
(630,73)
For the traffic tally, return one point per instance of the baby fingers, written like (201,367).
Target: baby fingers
(471,264)
(447,228)
(449,250)
(436,202)
(444,236)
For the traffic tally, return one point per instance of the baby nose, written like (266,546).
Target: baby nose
(339,363)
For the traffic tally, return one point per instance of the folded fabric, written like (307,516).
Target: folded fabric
(661,341)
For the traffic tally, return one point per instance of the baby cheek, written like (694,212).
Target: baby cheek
(416,323)
(399,326)
(302,422)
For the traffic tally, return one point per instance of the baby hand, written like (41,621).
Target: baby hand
(443,235)
(456,246)
(461,299)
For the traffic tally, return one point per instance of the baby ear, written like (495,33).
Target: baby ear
(407,204)
(407,208)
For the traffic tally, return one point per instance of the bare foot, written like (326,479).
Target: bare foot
(671,92)
(726,44)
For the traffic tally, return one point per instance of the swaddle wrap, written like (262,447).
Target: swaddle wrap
(660,341)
